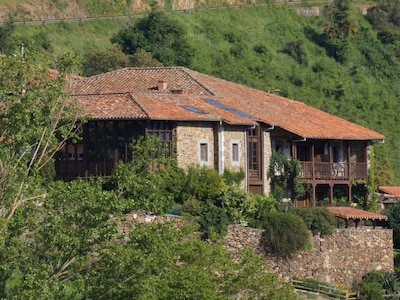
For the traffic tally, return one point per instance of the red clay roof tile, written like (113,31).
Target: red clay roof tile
(390,190)
(350,213)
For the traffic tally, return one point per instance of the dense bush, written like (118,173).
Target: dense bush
(318,219)
(393,214)
(376,285)
(150,181)
(285,234)
(202,183)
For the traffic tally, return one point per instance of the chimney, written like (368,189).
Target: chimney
(162,85)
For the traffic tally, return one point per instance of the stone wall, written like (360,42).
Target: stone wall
(340,258)
(189,137)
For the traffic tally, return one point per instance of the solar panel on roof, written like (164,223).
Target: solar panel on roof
(193,109)
(230,109)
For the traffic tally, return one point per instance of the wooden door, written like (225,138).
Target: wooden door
(254,161)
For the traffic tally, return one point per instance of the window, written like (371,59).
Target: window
(235,152)
(203,152)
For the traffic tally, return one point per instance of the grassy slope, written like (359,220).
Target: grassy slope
(225,41)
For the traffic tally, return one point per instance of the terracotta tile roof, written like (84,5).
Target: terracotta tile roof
(110,106)
(293,116)
(350,213)
(390,190)
(182,107)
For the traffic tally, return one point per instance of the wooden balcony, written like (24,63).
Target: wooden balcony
(333,171)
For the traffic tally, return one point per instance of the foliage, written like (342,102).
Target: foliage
(338,20)
(384,176)
(202,183)
(67,246)
(36,119)
(283,172)
(393,214)
(318,219)
(151,180)
(378,285)
(214,220)
(50,241)
(97,62)
(7,37)
(384,15)
(142,58)
(263,206)
(238,204)
(159,35)
(233,177)
(285,234)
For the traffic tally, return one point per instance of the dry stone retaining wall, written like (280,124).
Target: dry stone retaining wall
(340,258)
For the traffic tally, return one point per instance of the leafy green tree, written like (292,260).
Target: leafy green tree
(383,173)
(97,62)
(384,15)
(283,172)
(50,243)
(36,119)
(7,38)
(142,58)
(338,20)
(151,180)
(159,35)
(393,214)
(159,262)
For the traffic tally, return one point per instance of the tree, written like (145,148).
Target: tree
(97,62)
(338,21)
(384,15)
(284,173)
(69,246)
(393,214)
(159,35)
(35,120)
(7,39)
(142,58)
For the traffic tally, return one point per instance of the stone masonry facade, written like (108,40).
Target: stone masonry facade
(341,258)
(189,138)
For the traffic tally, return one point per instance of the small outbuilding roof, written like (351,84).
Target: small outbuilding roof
(390,190)
(350,213)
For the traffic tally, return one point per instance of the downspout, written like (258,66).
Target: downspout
(221,148)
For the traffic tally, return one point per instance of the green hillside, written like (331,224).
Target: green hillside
(274,49)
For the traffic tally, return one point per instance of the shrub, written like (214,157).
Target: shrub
(263,206)
(233,177)
(374,285)
(239,205)
(202,183)
(318,219)
(214,221)
(285,234)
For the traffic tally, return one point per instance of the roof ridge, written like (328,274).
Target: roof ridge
(198,82)
(101,94)
(139,105)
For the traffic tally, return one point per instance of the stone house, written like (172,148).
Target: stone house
(212,122)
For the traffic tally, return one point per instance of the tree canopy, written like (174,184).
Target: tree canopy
(159,35)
